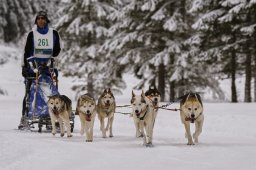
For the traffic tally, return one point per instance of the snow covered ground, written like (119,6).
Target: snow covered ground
(228,140)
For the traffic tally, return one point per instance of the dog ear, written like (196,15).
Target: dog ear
(133,95)
(143,97)
(142,94)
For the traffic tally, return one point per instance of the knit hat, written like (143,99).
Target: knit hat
(43,14)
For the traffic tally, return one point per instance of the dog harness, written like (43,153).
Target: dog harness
(142,118)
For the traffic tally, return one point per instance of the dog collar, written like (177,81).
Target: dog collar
(192,120)
(142,118)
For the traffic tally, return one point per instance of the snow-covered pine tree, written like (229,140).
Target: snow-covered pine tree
(224,26)
(83,26)
(147,39)
(17,17)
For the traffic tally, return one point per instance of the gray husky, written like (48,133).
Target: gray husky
(86,108)
(106,107)
(60,107)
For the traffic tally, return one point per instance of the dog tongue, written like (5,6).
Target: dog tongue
(55,111)
(88,118)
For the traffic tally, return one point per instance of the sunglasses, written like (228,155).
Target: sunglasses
(42,18)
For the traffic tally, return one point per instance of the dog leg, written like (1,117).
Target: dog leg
(82,119)
(61,127)
(53,124)
(87,134)
(110,126)
(149,134)
(198,130)
(91,131)
(67,124)
(137,127)
(102,127)
(187,127)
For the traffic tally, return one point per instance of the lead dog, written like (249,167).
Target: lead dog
(106,108)
(60,108)
(86,108)
(143,115)
(192,112)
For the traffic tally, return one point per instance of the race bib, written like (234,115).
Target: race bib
(43,44)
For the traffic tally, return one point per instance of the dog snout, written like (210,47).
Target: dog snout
(155,100)
(136,111)
(88,111)
(193,115)
(54,108)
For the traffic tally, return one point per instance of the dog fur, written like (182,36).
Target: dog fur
(60,107)
(154,95)
(192,112)
(143,115)
(86,109)
(106,107)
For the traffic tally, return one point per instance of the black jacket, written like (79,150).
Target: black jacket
(29,51)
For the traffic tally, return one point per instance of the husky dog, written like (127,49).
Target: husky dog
(143,115)
(106,108)
(154,95)
(60,107)
(192,112)
(86,108)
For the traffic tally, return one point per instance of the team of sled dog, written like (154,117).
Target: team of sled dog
(144,113)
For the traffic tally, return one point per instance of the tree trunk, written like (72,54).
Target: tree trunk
(248,77)
(172,83)
(254,77)
(161,81)
(172,90)
(90,89)
(233,77)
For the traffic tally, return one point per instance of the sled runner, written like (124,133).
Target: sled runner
(38,88)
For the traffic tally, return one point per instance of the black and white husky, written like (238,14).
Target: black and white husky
(154,95)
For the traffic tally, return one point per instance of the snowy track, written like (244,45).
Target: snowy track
(228,141)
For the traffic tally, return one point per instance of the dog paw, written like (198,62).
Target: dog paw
(111,136)
(149,145)
(140,136)
(69,136)
(53,134)
(190,143)
(62,134)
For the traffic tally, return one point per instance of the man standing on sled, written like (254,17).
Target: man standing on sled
(42,44)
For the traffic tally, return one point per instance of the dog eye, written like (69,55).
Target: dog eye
(189,108)
(195,108)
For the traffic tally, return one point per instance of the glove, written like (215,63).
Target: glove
(25,71)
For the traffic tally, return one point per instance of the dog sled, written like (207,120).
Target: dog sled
(38,88)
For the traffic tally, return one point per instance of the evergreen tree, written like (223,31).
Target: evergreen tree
(84,27)
(17,17)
